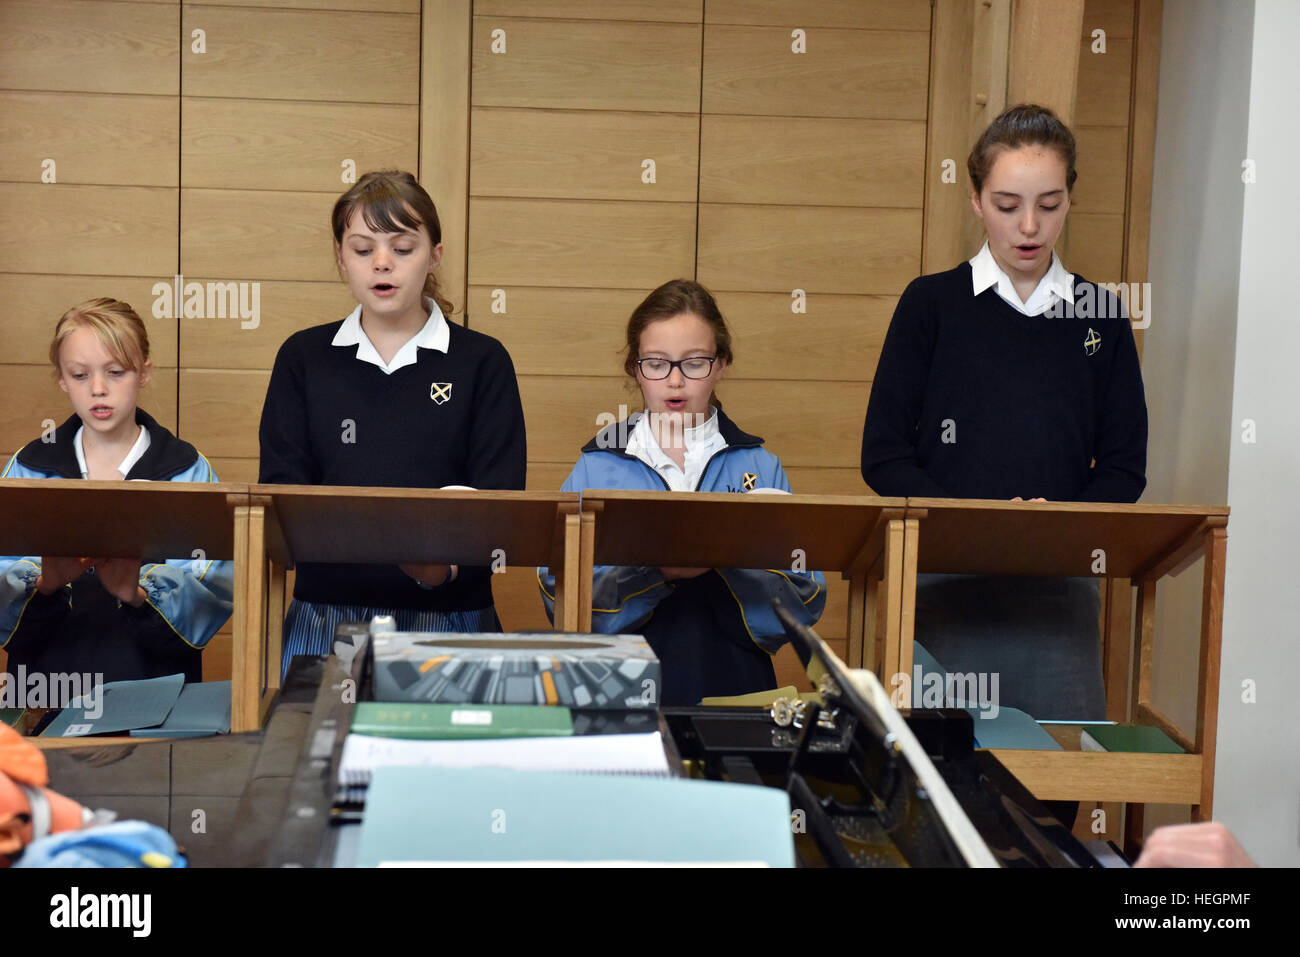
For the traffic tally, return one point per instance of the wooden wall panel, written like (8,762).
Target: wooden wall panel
(584,154)
(79,230)
(863,14)
(621,245)
(1096,231)
(1096,247)
(221,410)
(1043,61)
(847,73)
(1113,16)
(588,65)
(837,339)
(89,47)
(444,134)
(828,481)
(1103,169)
(296,146)
(285,307)
(368,6)
(673,11)
(580,331)
(96,139)
(817,249)
(812,161)
(1104,84)
(34,303)
(805,423)
(302,55)
(257,234)
(558,331)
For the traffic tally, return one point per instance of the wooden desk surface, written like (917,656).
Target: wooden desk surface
(973,536)
(728,530)
(117,519)
(391,525)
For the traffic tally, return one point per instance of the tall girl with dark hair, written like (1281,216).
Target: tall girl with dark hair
(393,395)
(1008,377)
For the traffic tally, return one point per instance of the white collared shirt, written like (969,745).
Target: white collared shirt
(702,443)
(1057,283)
(434,335)
(137,452)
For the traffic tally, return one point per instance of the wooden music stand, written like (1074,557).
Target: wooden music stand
(122,519)
(1139,545)
(282,525)
(859,536)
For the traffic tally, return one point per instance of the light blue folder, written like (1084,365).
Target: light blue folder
(119,706)
(202,709)
(422,815)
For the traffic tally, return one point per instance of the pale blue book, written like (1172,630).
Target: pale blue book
(118,706)
(1011,728)
(457,816)
(203,708)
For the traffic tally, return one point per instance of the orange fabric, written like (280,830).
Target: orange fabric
(21,762)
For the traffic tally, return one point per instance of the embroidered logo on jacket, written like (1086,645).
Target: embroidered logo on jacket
(749,480)
(440,392)
(1091,342)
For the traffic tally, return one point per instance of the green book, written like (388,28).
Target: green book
(11,716)
(1128,737)
(430,720)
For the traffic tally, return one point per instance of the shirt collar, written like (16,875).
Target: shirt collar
(434,335)
(1057,283)
(135,455)
(642,443)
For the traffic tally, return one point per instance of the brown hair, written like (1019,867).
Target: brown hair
(391,201)
(672,299)
(116,324)
(1022,125)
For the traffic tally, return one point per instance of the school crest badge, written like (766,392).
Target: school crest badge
(1091,342)
(440,392)
(749,480)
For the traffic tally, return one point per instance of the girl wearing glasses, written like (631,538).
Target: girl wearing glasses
(713,629)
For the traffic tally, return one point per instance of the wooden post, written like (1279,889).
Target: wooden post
(445,40)
(1044,60)
(1207,699)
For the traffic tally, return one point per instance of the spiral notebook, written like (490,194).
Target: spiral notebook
(637,754)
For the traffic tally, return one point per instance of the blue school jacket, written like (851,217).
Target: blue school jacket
(82,627)
(624,597)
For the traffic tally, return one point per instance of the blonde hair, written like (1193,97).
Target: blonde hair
(116,325)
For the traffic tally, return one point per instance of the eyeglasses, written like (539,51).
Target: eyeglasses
(694,367)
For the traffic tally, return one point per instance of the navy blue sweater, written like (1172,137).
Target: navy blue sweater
(330,419)
(973,399)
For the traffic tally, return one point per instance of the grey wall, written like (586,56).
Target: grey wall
(1222,328)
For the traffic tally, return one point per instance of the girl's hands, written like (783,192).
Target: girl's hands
(1019,499)
(121,579)
(57,572)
